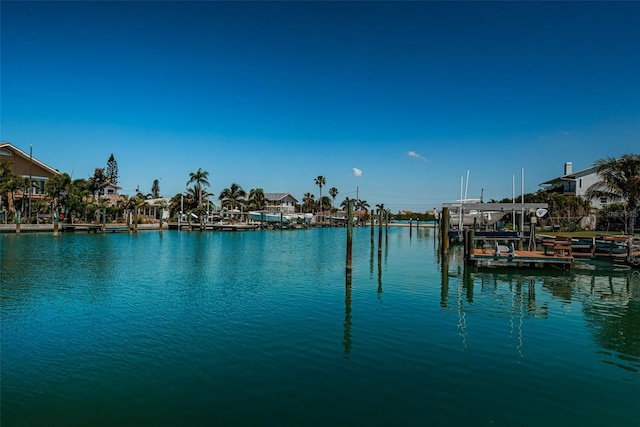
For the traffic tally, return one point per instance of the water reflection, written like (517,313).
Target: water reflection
(346,339)
(609,300)
(379,274)
(444,287)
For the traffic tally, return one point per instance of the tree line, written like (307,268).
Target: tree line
(81,198)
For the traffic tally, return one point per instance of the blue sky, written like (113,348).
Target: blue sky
(397,100)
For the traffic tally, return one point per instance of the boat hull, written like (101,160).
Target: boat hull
(280,217)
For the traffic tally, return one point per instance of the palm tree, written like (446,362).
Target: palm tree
(201,179)
(333,192)
(256,199)
(320,181)
(619,178)
(345,203)
(190,199)
(233,196)
(325,201)
(362,205)
(308,202)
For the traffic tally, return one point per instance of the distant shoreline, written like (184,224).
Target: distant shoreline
(48,228)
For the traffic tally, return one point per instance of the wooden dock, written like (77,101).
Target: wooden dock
(557,250)
(95,228)
(488,258)
(213,226)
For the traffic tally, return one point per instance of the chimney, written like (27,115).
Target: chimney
(568,168)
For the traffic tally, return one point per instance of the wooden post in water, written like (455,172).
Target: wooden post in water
(469,244)
(346,342)
(410,227)
(135,220)
(161,213)
(281,220)
(465,244)
(444,287)
(372,227)
(445,230)
(387,215)
(56,218)
(349,241)
(18,218)
(380,222)
(104,220)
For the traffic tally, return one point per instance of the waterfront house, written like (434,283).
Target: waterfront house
(25,165)
(153,207)
(281,202)
(110,189)
(576,184)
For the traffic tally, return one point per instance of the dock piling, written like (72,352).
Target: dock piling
(56,218)
(349,241)
(445,230)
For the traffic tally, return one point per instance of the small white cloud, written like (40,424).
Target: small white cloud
(357,172)
(416,155)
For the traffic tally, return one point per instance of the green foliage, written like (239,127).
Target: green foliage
(58,187)
(155,189)
(98,181)
(619,178)
(308,202)
(112,170)
(256,199)
(415,216)
(200,179)
(233,197)
(570,225)
(320,182)
(612,217)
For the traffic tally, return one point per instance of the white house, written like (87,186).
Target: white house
(282,202)
(110,189)
(576,184)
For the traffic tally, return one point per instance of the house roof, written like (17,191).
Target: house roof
(19,152)
(278,196)
(572,176)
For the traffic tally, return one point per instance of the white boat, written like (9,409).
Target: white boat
(277,217)
(462,215)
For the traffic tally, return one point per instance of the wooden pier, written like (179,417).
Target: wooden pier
(560,251)
(95,228)
(194,226)
(488,258)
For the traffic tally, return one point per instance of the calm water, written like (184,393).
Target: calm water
(258,328)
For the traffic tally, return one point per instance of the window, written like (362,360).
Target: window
(580,183)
